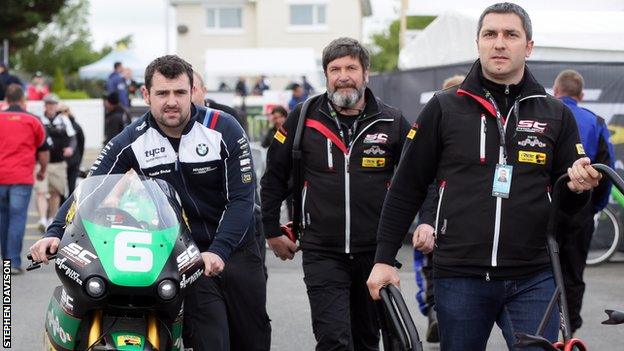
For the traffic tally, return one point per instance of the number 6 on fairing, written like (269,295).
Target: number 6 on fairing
(128,257)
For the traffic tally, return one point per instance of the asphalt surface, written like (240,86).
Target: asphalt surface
(290,312)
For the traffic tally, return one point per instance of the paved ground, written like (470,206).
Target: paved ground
(289,309)
(288,306)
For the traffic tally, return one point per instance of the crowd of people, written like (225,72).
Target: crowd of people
(477,167)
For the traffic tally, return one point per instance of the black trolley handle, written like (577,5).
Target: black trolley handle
(401,319)
(551,235)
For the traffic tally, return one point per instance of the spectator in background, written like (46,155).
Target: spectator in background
(23,136)
(74,161)
(64,143)
(116,117)
(117,83)
(276,119)
(261,85)
(298,95)
(7,79)
(308,89)
(578,229)
(453,81)
(223,87)
(131,84)
(241,87)
(38,89)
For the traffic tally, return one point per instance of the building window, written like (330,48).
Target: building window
(227,18)
(308,15)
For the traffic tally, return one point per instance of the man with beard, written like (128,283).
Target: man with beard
(351,144)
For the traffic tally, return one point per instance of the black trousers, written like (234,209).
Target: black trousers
(343,313)
(427,270)
(229,312)
(574,236)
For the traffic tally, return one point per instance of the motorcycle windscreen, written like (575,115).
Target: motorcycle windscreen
(133,223)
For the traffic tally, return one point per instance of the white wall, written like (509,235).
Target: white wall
(88,113)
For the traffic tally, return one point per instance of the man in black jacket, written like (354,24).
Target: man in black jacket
(116,117)
(490,261)
(351,144)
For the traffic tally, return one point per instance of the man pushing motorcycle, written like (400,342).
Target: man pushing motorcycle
(204,154)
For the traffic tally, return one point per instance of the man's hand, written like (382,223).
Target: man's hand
(282,247)
(381,275)
(583,176)
(39,249)
(68,152)
(213,264)
(423,238)
(41,174)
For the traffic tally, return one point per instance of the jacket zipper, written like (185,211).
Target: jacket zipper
(440,196)
(482,139)
(330,156)
(177,168)
(499,201)
(304,194)
(348,185)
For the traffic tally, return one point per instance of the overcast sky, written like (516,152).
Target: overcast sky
(110,20)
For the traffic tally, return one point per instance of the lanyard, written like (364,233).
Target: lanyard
(499,124)
(351,130)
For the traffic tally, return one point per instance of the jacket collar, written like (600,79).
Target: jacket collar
(473,83)
(14,108)
(472,86)
(196,114)
(568,101)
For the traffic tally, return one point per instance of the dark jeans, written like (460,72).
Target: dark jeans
(574,240)
(13,214)
(468,308)
(343,313)
(229,312)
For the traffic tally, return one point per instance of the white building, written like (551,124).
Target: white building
(227,36)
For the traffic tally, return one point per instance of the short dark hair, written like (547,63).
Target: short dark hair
(170,66)
(116,65)
(570,83)
(342,47)
(14,93)
(279,109)
(508,7)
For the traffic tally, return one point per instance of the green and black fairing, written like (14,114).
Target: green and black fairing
(126,252)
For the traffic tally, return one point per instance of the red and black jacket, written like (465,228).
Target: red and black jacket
(457,143)
(343,185)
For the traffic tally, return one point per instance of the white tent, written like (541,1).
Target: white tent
(570,36)
(103,67)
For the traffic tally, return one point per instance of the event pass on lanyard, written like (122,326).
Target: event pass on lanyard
(502,181)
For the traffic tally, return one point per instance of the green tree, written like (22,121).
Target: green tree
(18,18)
(64,44)
(385,50)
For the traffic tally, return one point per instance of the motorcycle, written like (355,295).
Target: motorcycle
(124,262)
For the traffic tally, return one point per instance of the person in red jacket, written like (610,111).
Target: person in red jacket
(23,136)
(38,89)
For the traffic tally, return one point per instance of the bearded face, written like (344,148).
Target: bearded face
(346,81)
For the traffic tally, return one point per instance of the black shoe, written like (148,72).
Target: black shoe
(432,330)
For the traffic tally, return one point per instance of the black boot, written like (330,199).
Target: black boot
(432,330)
